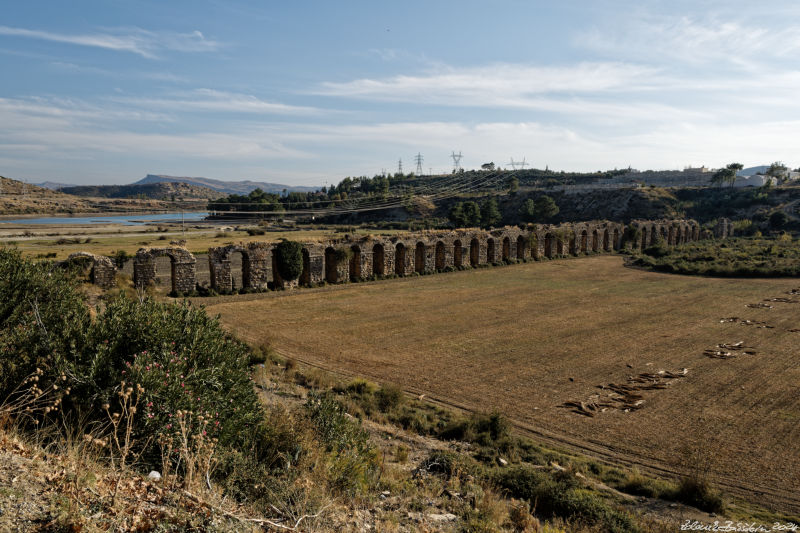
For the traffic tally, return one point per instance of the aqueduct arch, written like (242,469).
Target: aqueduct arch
(355,263)
(378,260)
(183,268)
(400,259)
(458,252)
(490,257)
(331,265)
(474,252)
(439,258)
(419,258)
(521,244)
(506,249)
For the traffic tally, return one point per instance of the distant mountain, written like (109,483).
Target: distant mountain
(153,191)
(53,185)
(227,187)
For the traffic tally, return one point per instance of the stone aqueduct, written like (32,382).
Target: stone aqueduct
(351,259)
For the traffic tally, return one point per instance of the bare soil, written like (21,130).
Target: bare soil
(529,339)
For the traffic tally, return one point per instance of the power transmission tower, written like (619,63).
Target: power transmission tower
(456,161)
(518,165)
(399,166)
(418,159)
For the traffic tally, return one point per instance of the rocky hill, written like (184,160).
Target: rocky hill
(18,198)
(168,191)
(226,187)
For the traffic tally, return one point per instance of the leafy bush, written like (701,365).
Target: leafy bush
(389,397)
(289,256)
(353,463)
(181,356)
(120,257)
(697,492)
(560,494)
(730,257)
(43,318)
(778,219)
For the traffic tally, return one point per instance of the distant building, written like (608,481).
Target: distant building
(703,169)
(756,180)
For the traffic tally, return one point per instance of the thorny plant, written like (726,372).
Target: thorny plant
(32,401)
(188,439)
(121,438)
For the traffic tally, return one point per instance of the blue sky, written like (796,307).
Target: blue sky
(309,92)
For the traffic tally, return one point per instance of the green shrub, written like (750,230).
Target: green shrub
(352,462)
(289,259)
(361,387)
(698,492)
(389,397)
(183,359)
(43,319)
(778,219)
(559,494)
(120,257)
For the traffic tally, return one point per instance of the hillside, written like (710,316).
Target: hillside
(227,187)
(154,191)
(18,198)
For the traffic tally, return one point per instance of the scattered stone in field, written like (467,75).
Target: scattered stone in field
(747,322)
(760,306)
(781,299)
(726,350)
(793,292)
(628,396)
(718,354)
(794,330)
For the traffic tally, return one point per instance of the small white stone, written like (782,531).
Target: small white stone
(445,517)
(154,476)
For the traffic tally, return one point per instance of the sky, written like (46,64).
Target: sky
(308,92)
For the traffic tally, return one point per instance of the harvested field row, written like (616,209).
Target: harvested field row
(525,339)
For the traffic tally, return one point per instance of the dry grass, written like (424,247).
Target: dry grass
(131,238)
(528,338)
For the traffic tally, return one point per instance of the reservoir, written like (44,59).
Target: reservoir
(127,220)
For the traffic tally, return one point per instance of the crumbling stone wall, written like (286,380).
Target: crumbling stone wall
(723,229)
(183,268)
(102,272)
(672,232)
(354,258)
(257,268)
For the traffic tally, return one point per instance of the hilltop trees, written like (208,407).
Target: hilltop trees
(470,215)
(778,171)
(542,209)
(465,215)
(490,213)
(727,174)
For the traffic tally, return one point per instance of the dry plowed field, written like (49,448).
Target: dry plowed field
(537,342)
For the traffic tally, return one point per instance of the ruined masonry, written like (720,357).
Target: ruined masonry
(350,259)
(102,270)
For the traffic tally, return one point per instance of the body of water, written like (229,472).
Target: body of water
(127,220)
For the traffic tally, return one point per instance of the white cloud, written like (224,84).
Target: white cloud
(135,40)
(710,40)
(502,85)
(52,112)
(212,100)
